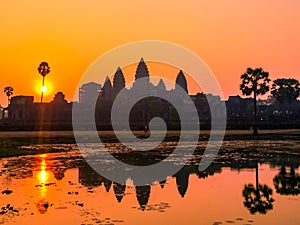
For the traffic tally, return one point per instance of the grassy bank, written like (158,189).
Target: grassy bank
(12,143)
(12,152)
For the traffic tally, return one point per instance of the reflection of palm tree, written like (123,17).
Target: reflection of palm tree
(43,69)
(258,199)
(287,183)
(9,92)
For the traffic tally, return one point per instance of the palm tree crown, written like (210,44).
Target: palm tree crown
(44,69)
(255,81)
(9,92)
(284,89)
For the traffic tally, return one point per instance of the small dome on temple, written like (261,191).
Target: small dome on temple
(161,85)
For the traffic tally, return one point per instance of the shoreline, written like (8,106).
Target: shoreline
(12,143)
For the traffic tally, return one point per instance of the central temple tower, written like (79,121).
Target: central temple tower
(142,71)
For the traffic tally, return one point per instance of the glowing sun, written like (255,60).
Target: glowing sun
(44,89)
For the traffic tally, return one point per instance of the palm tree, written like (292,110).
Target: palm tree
(285,90)
(255,81)
(43,69)
(287,183)
(258,198)
(9,92)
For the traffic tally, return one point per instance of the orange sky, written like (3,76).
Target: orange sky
(228,35)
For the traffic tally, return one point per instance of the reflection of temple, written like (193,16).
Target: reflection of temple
(162,183)
(182,181)
(142,195)
(286,182)
(119,190)
(90,178)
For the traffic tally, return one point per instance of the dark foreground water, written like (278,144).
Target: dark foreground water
(248,183)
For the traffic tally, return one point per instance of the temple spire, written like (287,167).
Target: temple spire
(181,81)
(142,70)
(107,89)
(118,81)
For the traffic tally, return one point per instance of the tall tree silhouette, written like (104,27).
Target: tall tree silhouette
(43,69)
(9,92)
(255,81)
(287,183)
(258,199)
(285,90)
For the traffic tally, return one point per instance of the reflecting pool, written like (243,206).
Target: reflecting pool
(248,183)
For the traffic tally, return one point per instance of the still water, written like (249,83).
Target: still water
(61,188)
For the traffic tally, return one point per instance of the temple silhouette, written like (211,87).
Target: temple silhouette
(23,113)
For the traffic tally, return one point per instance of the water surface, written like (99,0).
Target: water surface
(61,188)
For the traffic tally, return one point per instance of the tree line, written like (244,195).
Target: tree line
(256,82)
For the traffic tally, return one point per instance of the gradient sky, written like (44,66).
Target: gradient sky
(229,35)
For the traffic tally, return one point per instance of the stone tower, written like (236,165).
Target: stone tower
(181,81)
(107,90)
(118,81)
(142,71)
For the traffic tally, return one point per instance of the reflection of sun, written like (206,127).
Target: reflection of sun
(43,175)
